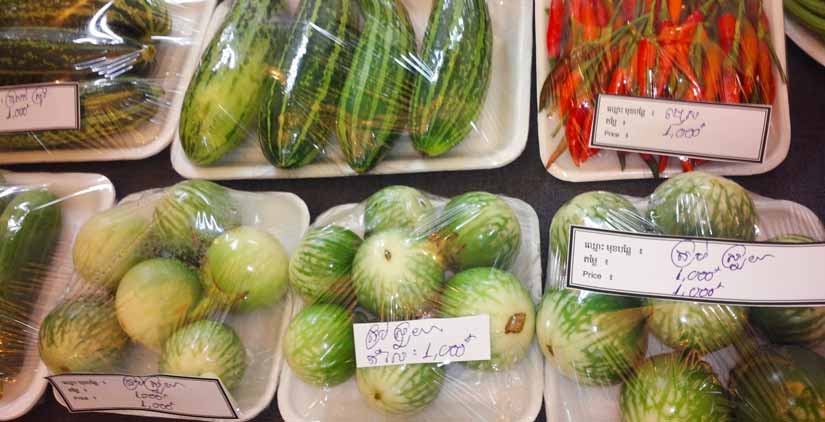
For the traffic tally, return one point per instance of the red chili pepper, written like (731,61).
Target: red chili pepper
(617,82)
(765,65)
(675,9)
(748,57)
(712,72)
(602,17)
(730,84)
(646,64)
(670,33)
(554,28)
(663,163)
(576,9)
(680,54)
(664,70)
(628,9)
(577,130)
(687,164)
(726,25)
(588,19)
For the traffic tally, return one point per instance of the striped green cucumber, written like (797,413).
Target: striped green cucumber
(111,113)
(454,74)
(29,229)
(223,96)
(375,100)
(48,54)
(300,102)
(136,18)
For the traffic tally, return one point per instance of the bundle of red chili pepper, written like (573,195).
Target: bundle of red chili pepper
(691,50)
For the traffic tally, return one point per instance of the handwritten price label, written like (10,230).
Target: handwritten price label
(171,395)
(703,270)
(434,340)
(681,128)
(39,107)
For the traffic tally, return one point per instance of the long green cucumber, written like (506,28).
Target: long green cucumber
(223,97)
(300,102)
(140,19)
(454,74)
(111,113)
(29,230)
(29,54)
(374,107)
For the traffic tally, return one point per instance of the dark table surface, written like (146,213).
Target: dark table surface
(800,178)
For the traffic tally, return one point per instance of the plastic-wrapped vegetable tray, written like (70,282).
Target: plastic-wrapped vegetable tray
(82,196)
(498,138)
(515,392)
(806,40)
(566,400)
(286,216)
(178,56)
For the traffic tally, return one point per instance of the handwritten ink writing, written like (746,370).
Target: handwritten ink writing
(736,256)
(18,102)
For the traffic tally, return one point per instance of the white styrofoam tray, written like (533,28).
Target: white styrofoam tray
(605,165)
(808,41)
(467,394)
(567,401)
(498,136)
(285,216)
(81,196)
(177,58)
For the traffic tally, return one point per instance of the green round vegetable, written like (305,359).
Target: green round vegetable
(205,349)
(479,230)
(795,325)
(191,215)
(246,268)
(674,387)
(81,335)
(321,266)
(591,338)
(499,294)
(396,276)
(700,204)
(396,207)
(154,299)
(703,327)
(109,244)
(319,345)
(596,209)
(400,389)
(780,384)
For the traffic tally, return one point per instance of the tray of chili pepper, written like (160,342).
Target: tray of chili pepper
(721,51)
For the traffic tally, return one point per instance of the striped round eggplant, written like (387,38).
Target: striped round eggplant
(501,296)
(591,338)
(319,345)
(29,55)
(375,100)
(453,75)
(222,100)
(702,327)
(112,112)
(140,19)
(400,389)
(300,99)
(396,207)
(205,349)
(479,229)
(320,269)
(397,276)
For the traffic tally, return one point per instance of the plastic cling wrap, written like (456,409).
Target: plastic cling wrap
(130,61)
(717,53)
(186,281)
(642,355)
(422,270)
(324,88)
(40,215)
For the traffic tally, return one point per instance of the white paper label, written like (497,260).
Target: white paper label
(172,395)
(706,270)
(39,107)
(712,131)
(422,341)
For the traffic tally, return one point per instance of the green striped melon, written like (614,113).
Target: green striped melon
(704,205)
(319,345)
(396,207)
(674,387)
(374,107)
(703,327)
(785,383)
(479,229)
(453,75)
(320,269)
(205,349)
(400,389)
(591,338)
(499,294)
(397,276)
